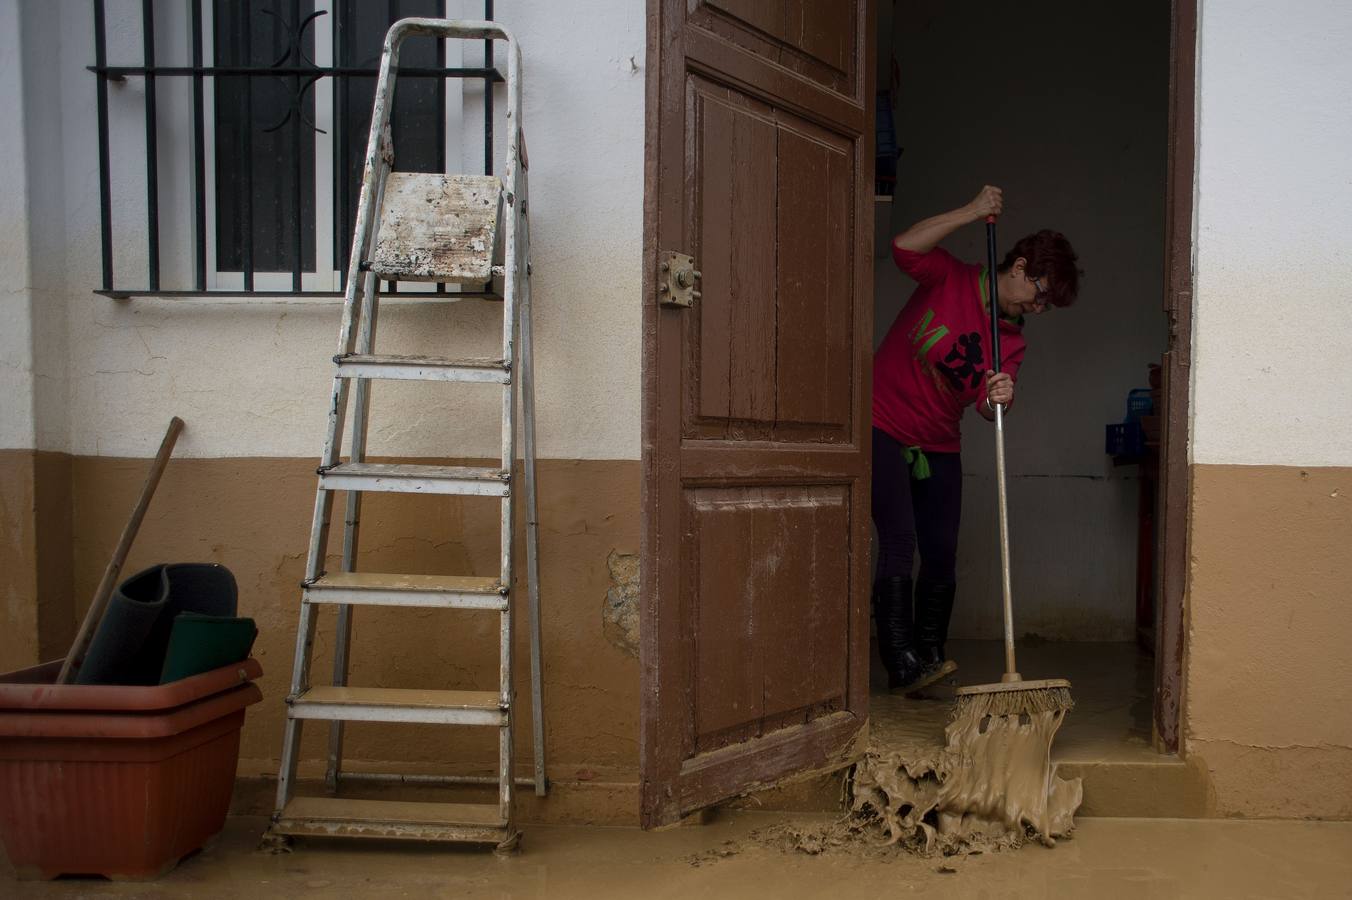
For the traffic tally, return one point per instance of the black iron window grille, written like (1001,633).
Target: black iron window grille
(270,195)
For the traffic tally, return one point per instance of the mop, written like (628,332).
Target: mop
(1008,727)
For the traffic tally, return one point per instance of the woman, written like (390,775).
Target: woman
(932,365)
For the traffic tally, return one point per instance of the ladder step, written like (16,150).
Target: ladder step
(368,704)
(376,589)
(392,819)
(447,296)
(414,479)
(436,227)
(422,368)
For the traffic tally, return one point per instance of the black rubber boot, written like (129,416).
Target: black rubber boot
(896,639)
(933,609)
(886,645)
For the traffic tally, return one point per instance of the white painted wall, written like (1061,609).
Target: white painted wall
(1273,333)
(17,426)
(32,302)
(251,377)
(49,200)
(1063,105)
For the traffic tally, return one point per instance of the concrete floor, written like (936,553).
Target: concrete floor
(1106,738)
(1136,859)
(1111,684)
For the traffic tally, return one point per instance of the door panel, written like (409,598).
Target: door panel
(816,294)
(764,604)
(732,351)
(817,39)
(770,344)
(756,398)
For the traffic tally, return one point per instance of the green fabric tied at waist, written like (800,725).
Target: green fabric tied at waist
(918,461)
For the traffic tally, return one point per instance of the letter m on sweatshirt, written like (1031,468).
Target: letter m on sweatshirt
(923,337)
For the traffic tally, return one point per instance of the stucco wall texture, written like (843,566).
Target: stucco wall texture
(253,514)
(251,378)
(1268,706)
(1274,207)
(16,314)
(1267,669)
(92,383)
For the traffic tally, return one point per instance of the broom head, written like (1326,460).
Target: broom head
(1012,698)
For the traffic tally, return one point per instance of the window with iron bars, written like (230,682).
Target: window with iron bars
(260,191)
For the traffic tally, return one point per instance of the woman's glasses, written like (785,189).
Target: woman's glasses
(1040,298)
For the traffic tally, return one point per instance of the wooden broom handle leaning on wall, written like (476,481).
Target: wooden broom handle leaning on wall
(99,604)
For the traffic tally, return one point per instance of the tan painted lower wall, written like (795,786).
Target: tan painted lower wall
(18,561)
(253,515)
(1268,671)
(35,536)
(1268,679)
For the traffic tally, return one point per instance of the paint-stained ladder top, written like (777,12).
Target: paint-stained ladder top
(437,227)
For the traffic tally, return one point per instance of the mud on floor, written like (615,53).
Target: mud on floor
(861,836)
(988,785)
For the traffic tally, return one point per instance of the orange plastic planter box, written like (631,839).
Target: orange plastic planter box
(117,781)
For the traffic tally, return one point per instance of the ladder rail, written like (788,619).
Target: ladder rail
(452,29)
(352,521)
(291,730)
(362,234)
(374,169)
(510,295)
(527,370)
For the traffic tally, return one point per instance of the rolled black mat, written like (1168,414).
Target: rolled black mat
(131,641)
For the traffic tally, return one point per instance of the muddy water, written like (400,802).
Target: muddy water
(991,783)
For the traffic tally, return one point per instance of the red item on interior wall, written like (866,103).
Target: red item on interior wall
(117,781)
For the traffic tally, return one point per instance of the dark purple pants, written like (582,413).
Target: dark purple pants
(908,512)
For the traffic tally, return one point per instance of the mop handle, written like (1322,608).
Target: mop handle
(1011,669)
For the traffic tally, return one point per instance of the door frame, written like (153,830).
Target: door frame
(1175,476)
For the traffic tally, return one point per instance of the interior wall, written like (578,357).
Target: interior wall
(1063,105)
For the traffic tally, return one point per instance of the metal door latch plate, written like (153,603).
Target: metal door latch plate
(677,279)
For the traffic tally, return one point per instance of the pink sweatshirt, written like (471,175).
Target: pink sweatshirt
(933,362)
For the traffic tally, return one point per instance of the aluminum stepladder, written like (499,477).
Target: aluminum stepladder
(441,228)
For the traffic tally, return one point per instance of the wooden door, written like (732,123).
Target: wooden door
(756,397)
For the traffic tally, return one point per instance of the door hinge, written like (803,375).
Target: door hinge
(677,278)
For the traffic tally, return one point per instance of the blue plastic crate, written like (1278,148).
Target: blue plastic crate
(1139,403)
(1125,440)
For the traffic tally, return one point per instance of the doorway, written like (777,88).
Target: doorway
(1084,117)
(755,671)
